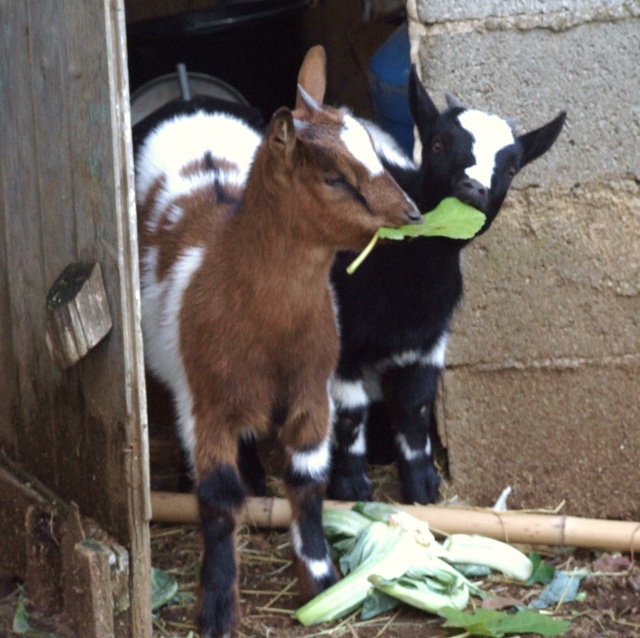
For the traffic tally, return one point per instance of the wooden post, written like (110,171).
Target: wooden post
(78,315)
(95,578)
(67,561)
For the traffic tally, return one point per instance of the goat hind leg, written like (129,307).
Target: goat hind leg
(410,394)
(349,480)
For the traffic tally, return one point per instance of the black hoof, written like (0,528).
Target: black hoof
(357,487)
(218,613)
(419,483)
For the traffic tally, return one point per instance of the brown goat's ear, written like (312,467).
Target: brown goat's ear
(313,76)
(281,135)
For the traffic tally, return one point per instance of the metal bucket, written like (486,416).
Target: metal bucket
(157,92)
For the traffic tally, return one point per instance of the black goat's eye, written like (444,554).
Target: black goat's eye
(437,147)
(512,172)
(335,181)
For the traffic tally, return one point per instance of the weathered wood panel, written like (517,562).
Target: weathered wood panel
(66,194)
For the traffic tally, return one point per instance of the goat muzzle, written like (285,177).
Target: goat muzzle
(413,213)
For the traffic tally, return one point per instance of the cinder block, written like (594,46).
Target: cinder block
(553,434)
(437,11)
(556,278)
(541,389)
(532,74)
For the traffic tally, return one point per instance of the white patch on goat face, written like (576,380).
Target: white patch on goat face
(386,146)
(349,394)
(490,134)
(358,143)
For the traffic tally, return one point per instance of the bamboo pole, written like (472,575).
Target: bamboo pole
(512,527)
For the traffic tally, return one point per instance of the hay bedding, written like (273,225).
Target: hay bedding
(269,593)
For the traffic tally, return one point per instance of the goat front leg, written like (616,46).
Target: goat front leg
(349,480)
(221,496)
(410,394)
(305,479)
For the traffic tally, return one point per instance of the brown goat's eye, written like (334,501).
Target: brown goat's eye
(335,180)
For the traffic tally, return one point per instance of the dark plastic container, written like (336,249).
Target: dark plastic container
(389,76)
(254,45)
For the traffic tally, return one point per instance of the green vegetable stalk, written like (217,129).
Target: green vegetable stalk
(386,551)
(380,545)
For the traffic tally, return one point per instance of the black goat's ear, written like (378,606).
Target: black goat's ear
(537,142)
(281,135)
(423,110)
(452,101)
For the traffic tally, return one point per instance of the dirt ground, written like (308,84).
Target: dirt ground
(611,607)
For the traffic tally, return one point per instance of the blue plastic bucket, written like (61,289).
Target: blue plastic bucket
(389,76)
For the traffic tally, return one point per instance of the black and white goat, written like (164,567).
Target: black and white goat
(395,311)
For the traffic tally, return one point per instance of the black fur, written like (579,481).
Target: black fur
(314,545)
(403,296)
(220,495)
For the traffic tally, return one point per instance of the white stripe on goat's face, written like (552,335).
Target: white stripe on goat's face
(358,142)
(490,134)
(384,144)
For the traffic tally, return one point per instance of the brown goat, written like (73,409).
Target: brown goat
(238,315)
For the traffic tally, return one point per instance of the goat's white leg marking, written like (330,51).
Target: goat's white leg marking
(318,567)
(435,357)
(409,453)
(359,446)
(349,394)
(313,463)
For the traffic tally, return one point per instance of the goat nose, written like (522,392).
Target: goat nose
(413,213)
(472,192)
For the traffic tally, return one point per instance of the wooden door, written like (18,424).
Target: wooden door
(67,195)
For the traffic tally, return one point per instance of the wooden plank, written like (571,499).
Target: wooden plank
(8,432)
(67,187)
(23,243)
(14,503)
(52,125)
(87,87)
(113,375)
(136,424)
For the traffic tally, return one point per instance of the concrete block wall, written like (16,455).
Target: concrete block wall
(542,388)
